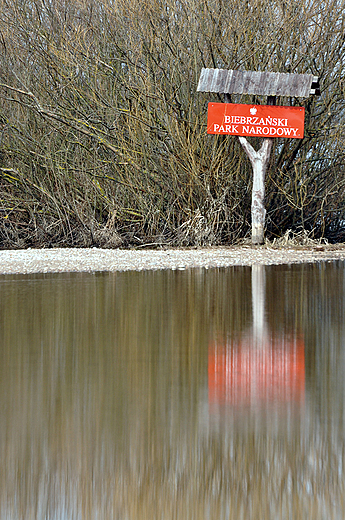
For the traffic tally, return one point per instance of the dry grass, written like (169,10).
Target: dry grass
(300,238)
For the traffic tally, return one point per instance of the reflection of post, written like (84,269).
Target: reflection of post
(257,366)
(258,303)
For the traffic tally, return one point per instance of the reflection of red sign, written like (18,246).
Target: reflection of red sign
(242,374)
(255,120)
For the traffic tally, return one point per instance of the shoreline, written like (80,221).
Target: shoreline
(30,261)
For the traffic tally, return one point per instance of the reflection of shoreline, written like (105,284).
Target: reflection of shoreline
(242,375)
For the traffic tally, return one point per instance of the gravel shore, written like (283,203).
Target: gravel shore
(95,260)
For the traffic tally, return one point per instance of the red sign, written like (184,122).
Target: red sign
(255,120)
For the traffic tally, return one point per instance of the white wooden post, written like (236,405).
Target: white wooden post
(259,162)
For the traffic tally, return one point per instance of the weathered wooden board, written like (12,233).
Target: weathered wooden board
(258,83)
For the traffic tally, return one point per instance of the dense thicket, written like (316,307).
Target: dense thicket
(103,135)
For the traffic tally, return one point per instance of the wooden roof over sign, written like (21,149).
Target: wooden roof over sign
(258,83)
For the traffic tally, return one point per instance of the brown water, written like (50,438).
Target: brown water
(201,394)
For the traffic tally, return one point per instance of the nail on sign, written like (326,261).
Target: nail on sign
(255,120)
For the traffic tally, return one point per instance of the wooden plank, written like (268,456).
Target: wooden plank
(283,84)
(202,81)
(264,89)
(222,77)
(273,83)
(257,83)
(247,80)
(237,82)
(254,82)
(307,82)
(295,85)
(213,86)
(227,86)
(210,79)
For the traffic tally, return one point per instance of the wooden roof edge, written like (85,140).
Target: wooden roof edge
(206,86)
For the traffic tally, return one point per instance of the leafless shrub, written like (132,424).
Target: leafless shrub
(100,121)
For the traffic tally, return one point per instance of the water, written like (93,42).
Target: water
(201,394)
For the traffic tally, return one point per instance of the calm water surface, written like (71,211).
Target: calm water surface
(188,395)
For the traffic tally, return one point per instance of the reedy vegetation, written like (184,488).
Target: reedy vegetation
(103,135)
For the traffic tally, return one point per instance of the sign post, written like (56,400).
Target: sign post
(267,121)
